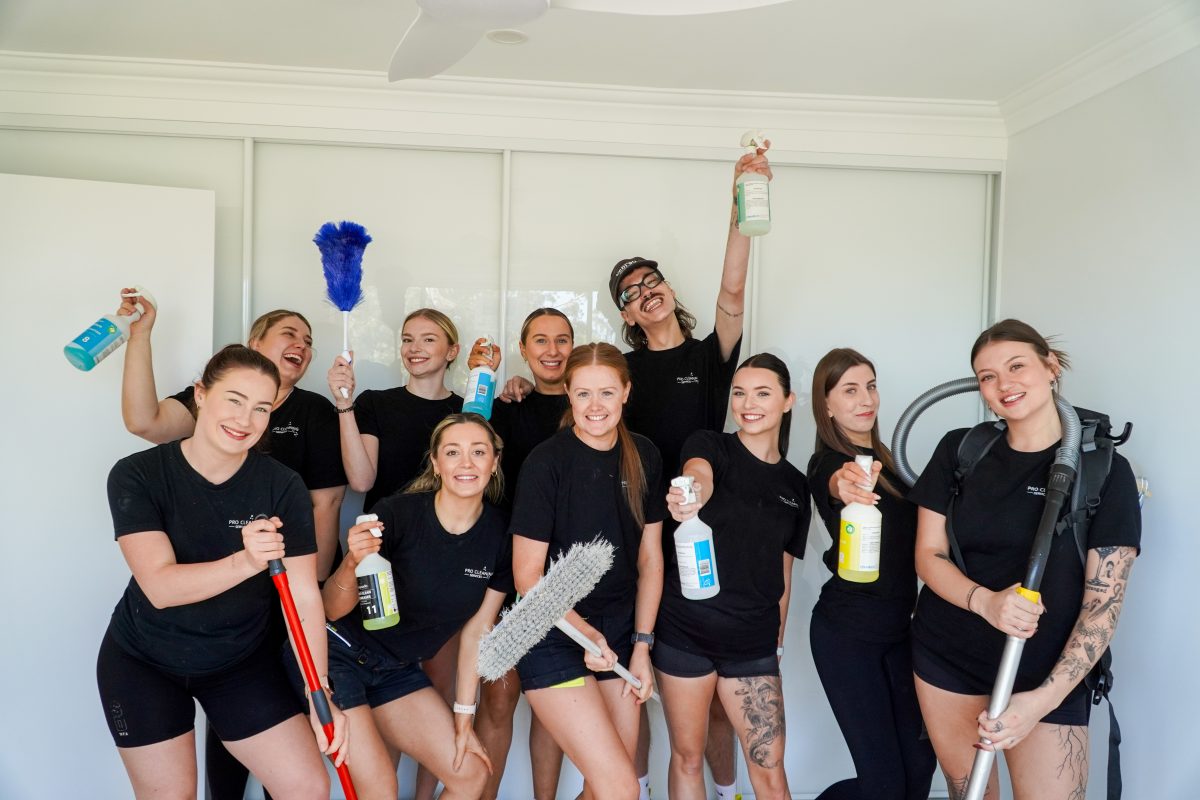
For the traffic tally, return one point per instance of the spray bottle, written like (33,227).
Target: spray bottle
(481,387)
(753,192)
(694,550)
(105,335)
(862,528)
(376,586)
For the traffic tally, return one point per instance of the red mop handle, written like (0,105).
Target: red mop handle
(316,691)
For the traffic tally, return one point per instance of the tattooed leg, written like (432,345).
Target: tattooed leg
(951,721)
(755,708)
(1050,764)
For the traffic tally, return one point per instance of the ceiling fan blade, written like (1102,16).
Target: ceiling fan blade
(431,46)
(663,8)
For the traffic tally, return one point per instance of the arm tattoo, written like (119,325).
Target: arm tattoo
(762,712)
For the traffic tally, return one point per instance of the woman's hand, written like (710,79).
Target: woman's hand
(681,510)
(341,732)
(341,376)
(1007,611)
(639,667)
(361,542)
(753,163)
(262,542)
(603,662)
(465,741)
(1007,730)
(850,480)
(516,389)
(484,354)
(129,305)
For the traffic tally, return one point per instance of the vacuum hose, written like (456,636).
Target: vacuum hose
(1058,489)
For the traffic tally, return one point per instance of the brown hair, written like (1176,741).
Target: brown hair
(636,338)
(235,356)
(830,436)
(545,312)
(776,365)
(262,326)
(602,354)
(1013,330)
(437,318)
(428,481)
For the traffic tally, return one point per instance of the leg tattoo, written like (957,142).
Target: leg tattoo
(1074,764)
(762,708)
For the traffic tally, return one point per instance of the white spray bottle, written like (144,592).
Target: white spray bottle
(753,192)
(694,551)
(105,335)
(376,586)
(861,532)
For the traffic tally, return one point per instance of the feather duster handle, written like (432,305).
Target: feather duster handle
(341,249)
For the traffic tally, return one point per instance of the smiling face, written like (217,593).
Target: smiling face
(652,305)
(288,343)
(233,413)
(597,397)
(758,401)
(464,459)
(425,348)
(1014,380)
(547,344)
(854,404)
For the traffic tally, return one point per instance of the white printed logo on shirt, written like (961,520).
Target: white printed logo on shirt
(787,501)
(238,524)
(1036,491)
(478,574)
(690,378)
(294,430)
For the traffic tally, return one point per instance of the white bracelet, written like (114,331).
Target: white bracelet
(459,708)
(779,650)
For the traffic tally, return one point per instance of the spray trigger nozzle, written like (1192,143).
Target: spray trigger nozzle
(361,518)
(752,140)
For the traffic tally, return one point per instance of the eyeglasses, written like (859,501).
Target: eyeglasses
(634,290)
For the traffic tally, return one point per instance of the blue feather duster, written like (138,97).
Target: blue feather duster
(341,249)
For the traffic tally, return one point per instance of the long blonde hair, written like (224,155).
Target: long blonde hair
(429,481)
(633,475)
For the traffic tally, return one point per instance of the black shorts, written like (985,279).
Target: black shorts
(558,659)
(147,705)
(682,664)
(360,675)
(1075,709)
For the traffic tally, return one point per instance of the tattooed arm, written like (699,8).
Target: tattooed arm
(1108,569)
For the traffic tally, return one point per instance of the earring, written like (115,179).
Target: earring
(1054,385)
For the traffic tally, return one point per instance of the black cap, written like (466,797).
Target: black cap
(623,268)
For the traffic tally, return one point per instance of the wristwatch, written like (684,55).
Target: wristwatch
(647,638)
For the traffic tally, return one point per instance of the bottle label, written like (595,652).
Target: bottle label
(858,546)
(695,564)
(377,595)
(100,339)
(754,201)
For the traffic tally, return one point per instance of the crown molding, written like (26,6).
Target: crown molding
(1143,46)
(191,98)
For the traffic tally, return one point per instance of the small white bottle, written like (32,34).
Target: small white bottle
(376,586)
(103,337)
(481,388)
(753,193)
(694,551)
(861,532)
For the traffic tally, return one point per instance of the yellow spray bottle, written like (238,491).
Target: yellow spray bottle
(861,531)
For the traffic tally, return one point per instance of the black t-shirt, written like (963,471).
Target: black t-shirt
(441,577)
(758,511)
(679,391)
(880,611)
(523,426)
(569,492)
(302,435)
(995,519)
(158,490)
(403,423)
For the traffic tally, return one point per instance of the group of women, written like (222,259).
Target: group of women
(470,511)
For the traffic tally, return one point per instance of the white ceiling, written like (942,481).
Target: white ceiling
(952,49)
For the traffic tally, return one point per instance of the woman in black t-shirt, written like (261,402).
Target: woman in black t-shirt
(451,558)
(546,341)
(593,479)
(194,621)
(757,506)
(962,620)
(860,631)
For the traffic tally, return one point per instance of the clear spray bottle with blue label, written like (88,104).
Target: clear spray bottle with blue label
(481,388)
(104,336)
(695,554)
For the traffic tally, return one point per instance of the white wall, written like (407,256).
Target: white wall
(1101,245)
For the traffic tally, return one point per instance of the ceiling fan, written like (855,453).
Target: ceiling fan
(446,30)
